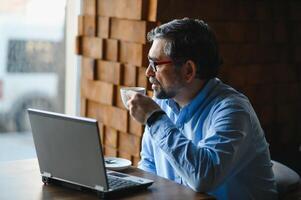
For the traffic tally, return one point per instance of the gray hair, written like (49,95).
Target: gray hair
(190,39)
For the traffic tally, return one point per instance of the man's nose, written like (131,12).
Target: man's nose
(149,71)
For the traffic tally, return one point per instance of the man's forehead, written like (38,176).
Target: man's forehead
(156,51)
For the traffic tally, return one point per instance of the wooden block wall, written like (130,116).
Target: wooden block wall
(113,51)
(259,41)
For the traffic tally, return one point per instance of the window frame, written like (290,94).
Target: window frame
(72,77)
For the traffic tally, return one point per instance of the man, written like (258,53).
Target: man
(199,131)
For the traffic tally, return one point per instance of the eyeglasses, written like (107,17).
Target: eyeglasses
(154,64)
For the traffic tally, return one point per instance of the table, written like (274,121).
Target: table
(22,180)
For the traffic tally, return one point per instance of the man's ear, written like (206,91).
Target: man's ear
(189,71)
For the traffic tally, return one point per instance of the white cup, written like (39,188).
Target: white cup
(127,92)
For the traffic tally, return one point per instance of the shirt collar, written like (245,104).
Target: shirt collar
(194,105)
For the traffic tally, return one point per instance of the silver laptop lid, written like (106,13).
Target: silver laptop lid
(69,148)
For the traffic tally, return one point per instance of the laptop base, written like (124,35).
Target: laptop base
(101,195)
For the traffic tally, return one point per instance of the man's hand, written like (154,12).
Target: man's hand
(141,107)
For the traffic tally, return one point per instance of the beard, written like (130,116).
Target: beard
(160,92)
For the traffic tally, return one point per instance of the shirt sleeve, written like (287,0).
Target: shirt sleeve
(147,158)
(205,165)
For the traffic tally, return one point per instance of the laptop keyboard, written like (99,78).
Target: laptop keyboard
(118,183)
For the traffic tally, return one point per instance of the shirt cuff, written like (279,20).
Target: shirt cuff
(154,116)
(160,127)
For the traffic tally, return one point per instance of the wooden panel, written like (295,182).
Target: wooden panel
(165,10)
(111,137)
(129,75)
(155,10)
(83,106)
(130,30)
(142,79)
(103,24)
(89,7)
(118,101)
(101,132)
(150,93)
(135,127)
(79,45)
(92,47)
(152,10)
(98,91)
(88,68)
(135,160)
(128,9)
(129,143)
(124,155)
(114,117)
(111,49)
(89,25)
(133,53)
(109,71)
(80,28)
(109,151)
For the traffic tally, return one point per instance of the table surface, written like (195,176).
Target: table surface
(22,180)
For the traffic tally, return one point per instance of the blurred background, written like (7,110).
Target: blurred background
(32,69)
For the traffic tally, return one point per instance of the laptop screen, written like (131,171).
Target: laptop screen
(68,148)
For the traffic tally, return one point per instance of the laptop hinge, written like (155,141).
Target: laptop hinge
(46,174)
(99,188)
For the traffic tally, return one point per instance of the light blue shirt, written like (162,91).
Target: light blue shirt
(215,144)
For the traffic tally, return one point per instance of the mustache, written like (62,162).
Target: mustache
(153,80)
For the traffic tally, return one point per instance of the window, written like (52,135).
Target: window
(32,69)
(33,56)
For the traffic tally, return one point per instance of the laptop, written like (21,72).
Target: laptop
(69,152)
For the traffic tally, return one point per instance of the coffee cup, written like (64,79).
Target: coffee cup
(127,92)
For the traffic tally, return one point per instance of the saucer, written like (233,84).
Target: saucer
(117,164)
